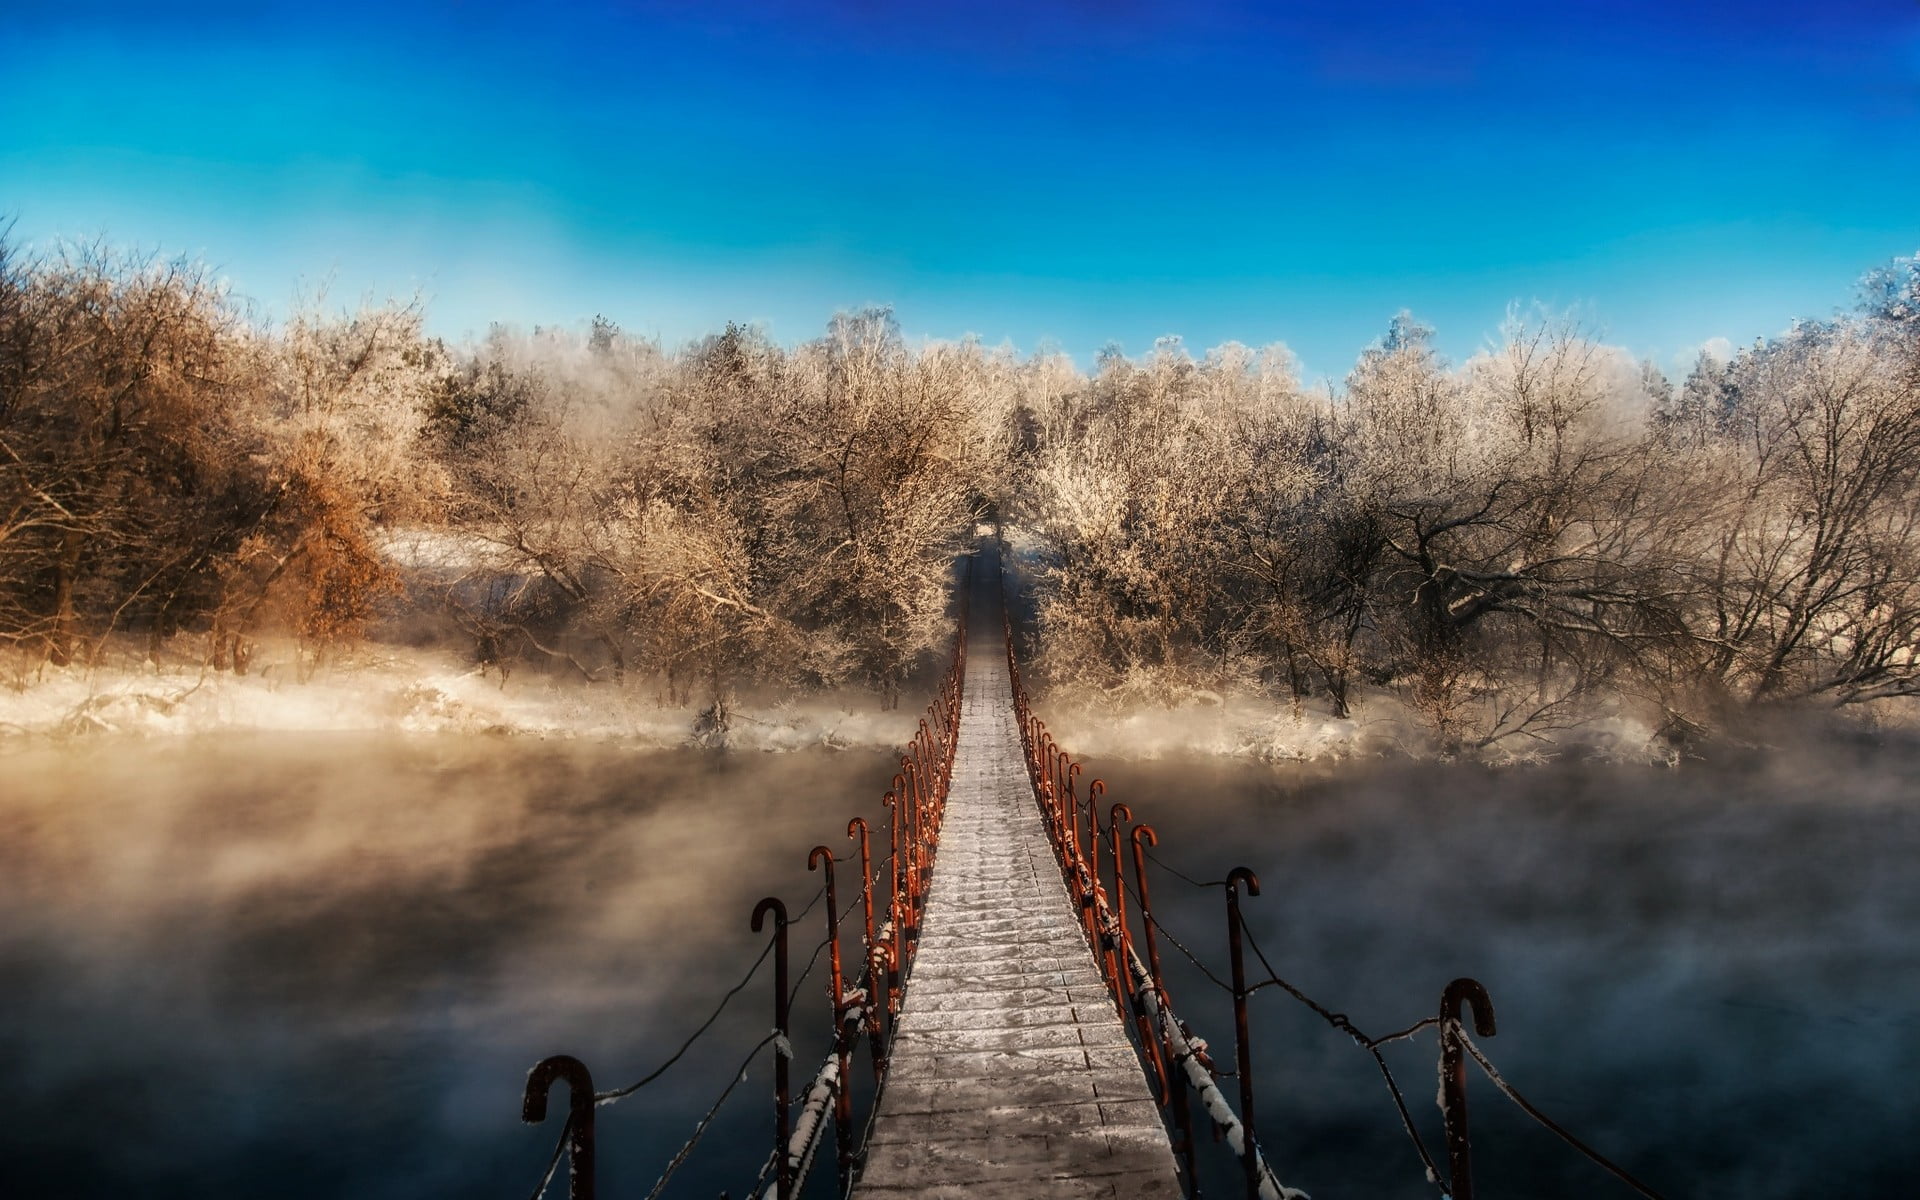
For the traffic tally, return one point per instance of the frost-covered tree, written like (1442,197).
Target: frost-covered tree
(1813,572)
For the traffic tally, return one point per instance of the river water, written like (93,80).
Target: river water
(1710,975)
(321,966)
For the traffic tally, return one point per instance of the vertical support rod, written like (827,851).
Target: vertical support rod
(916,842)
(821,858)
(1096,791)
(857,828)
(1243,1052)
(533,1110)
(1176,1086)
(909,876)
(892,801)
(1117,816)
(1453,1078)
(917,784)
(783,1049)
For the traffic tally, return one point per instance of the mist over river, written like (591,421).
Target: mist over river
(321,965)
(1711,975)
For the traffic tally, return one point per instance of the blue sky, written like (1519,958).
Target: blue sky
(1076,173)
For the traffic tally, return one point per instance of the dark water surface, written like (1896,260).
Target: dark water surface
(1711,975)
(321,966)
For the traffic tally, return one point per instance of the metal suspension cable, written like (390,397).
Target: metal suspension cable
(1551,1125)
(1177,873)
(1337,1020)
(622,1093)
(1190,955)
(701,1127)
(657,1072)
(553,1163)
(700,1130)
(824,942)
(1370,1045)
(879,871)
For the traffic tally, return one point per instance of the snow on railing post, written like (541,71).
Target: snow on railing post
(1172,1090)
(857,828)
(821,858)
(1242,1051)
(796,1153)
(1056,788)
(916,843)
(783,1045)
(533,1110)
(1056,762)
(909,833)
(1453,1078)
(1188,1054)
(1096,791)
(1120,939)
(896,876)
(1043,781)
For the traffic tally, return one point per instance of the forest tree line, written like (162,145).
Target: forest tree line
(1548,531)
(731,514)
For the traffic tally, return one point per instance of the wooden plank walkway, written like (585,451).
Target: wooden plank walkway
(1012,1076)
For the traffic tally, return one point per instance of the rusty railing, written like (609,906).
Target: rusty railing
(1175,1059)
(864,1007)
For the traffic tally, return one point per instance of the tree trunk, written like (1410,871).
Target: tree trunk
(66,568)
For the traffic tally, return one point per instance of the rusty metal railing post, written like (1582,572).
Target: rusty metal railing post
(1043,783)
(533,1110)
(909,815)
(1453,1078)
(1175,1089)
(783,1047)
(1103,939)
(1096,791)
(1056,779)
(821,858)
(857,828)
(892,801)
(1070,798)
(1108,946)
(1243,1052)
(1117,816)
(1086,857)
(1057,773)
(917,783)
(916,842)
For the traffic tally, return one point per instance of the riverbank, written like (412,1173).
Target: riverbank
(383,688)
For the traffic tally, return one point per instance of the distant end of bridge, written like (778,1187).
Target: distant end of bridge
(1011,1074)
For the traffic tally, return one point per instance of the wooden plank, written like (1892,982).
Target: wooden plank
(1012,1075)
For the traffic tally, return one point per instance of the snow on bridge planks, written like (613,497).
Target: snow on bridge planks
(1011,1074)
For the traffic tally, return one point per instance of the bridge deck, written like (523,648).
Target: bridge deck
(1012,1076)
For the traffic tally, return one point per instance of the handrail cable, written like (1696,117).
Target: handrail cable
(1344,1024)
(1168,867)
(700,1129)
(1552,1126)
(862,983)
(736,989)
(553,1163)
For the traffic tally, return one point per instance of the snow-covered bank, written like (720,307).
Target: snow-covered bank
(1259,728)
(386,688)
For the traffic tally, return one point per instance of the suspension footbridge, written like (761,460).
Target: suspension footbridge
(1009,993)
(1011,1072)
